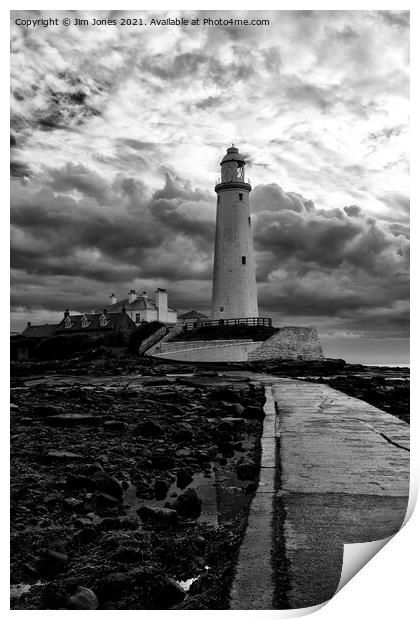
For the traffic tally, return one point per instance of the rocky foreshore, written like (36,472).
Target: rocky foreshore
(131,492)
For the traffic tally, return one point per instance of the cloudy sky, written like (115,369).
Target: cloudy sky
(117,135)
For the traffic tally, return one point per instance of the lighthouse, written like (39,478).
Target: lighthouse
(234,283)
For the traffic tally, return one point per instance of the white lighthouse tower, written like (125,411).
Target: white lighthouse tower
(234,284)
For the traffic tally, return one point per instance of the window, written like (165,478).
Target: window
(249,221)
(218,199)
(138,319)
(67,323)
(244,260)
(85,322)
(103,321)
(222,308)
(241,196)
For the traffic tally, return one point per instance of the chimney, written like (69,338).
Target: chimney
(132,296)
(162,305)
(28,324)
(66,313)
(113,299)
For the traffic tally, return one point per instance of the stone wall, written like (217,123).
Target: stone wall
(294,343)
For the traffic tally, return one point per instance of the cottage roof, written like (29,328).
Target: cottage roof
(141,303)
(114,321)
(193,315)
(39,331)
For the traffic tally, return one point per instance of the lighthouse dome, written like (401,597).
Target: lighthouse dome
(233,154)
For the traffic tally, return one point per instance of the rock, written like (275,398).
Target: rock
(254,412)
(183,477)
(200,542)
(149,428)
(236,409)
(71,419)
(227,450)
(108,500)
(52,498)
(161,488)
(78,482)
(152,513)
(247,470)
(83,598)
(114,585)
(184,452)
(107,484)
(162,461)
(188,504)
(54,561)
(73,504)
(166,593)
(61,455)
(47,410)
(115,425)
(183,435)
(225,426)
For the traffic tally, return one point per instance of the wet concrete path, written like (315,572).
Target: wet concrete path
(342,476)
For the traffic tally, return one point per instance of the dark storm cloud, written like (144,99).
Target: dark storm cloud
(293,230)
(19,169)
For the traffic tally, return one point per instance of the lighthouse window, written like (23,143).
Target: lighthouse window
(244,260)
(241,196)
(218,199)
(249,221)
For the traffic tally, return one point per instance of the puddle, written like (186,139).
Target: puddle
(220,491)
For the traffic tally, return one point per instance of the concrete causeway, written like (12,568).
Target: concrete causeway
(337,470)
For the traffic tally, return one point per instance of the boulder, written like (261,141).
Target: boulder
(83,598)
(184,477)
(161,488)
(114,585)
(188,504)
(107,484)
(149,428)
(108,500)
(114,425)
(254,412)
(71,419)
(153,513)
(61,455)
(47,410)
(184,435)
(79,482)
(162,461)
